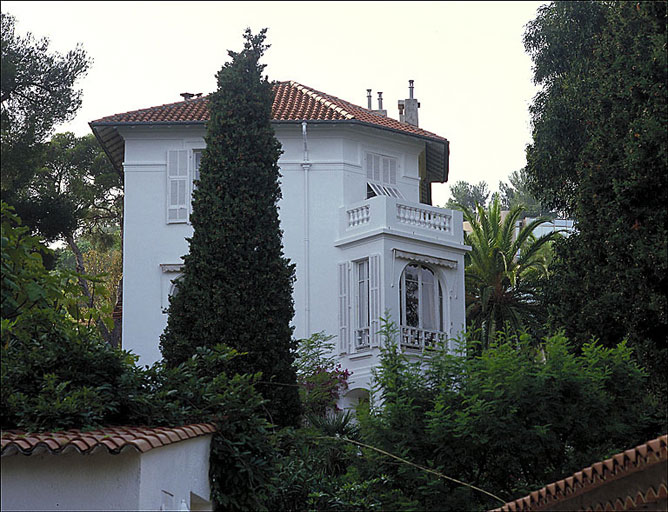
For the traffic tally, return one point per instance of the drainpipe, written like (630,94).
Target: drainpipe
(306,166)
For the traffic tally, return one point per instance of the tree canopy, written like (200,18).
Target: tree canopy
(505,271)
(38,92)
(599,152)
(517,193)
(236,286)
(468,195)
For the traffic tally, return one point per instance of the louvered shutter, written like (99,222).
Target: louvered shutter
(393,171)
(374,299)
(177,186)
(344,307)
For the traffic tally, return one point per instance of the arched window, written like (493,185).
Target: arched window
(421,296)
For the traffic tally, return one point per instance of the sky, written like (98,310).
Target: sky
(472,76)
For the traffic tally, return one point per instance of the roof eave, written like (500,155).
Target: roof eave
(438,150)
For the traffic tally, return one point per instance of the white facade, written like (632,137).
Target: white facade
(350,251)
(172,477)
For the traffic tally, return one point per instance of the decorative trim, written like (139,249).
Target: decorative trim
(171,267)
(411,256)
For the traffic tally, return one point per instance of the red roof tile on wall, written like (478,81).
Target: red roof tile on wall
(292,102)
(114,439)
(602,473)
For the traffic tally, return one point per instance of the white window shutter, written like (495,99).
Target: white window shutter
(374,300)
(393,171)
(344,307)
(177,186)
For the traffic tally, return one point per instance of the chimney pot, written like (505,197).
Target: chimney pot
(368,99)
(380,100)
(410,89)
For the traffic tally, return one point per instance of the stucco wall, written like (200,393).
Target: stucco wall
(310,214)
(71,481)
(161,477)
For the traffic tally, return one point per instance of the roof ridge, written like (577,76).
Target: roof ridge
(320,97)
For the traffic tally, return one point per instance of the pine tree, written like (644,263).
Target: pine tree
(236,286)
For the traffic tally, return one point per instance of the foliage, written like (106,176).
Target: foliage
(103,258)
(236,286)
(321,379)
(508,421)
(57,374)
(517,193)
(76,173)
(37,90)
(467,194)
(504,271)
(599,152)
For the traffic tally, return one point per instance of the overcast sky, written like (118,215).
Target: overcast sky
(472,76)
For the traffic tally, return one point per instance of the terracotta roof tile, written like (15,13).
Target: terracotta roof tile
(602,473)
(114,439)
(292,102)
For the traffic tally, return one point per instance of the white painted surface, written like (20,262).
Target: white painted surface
(101,481)
(337,183)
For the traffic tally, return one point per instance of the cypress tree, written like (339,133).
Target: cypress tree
(236,286)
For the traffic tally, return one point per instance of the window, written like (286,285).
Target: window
(180,183)
(421,295)
(381,175)
(362,305)
(177,186)
(197,160)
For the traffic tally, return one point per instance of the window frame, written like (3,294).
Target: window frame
(381,186)
(362,333)
(438,299)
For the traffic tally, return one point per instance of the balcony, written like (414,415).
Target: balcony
(382,214)
(420,339)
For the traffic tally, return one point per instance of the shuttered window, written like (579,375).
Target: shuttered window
(178,186)
(344,307)
(381,175)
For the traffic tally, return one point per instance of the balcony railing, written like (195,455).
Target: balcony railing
(362,339)
(428,219)
(358,216)
(421,339)
(382,213)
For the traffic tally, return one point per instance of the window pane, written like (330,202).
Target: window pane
(412,296)
(363,294)
(428,320)
(182,191)
(198,161)
(427,295)
(440,307)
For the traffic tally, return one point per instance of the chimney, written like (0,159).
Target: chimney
(410,106)
(380,110)
(368,99)
(401,106)
(187,95)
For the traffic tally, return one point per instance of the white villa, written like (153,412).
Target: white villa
(356,216)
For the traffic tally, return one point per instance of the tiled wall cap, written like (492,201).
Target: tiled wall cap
(113,439)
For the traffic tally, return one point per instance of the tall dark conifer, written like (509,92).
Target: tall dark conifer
(236,286)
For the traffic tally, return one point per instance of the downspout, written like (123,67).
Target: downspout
(306,166)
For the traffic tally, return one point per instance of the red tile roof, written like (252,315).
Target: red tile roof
(292,102)
(114,439)
(619,496)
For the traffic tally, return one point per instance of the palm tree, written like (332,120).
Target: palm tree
(503,270)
